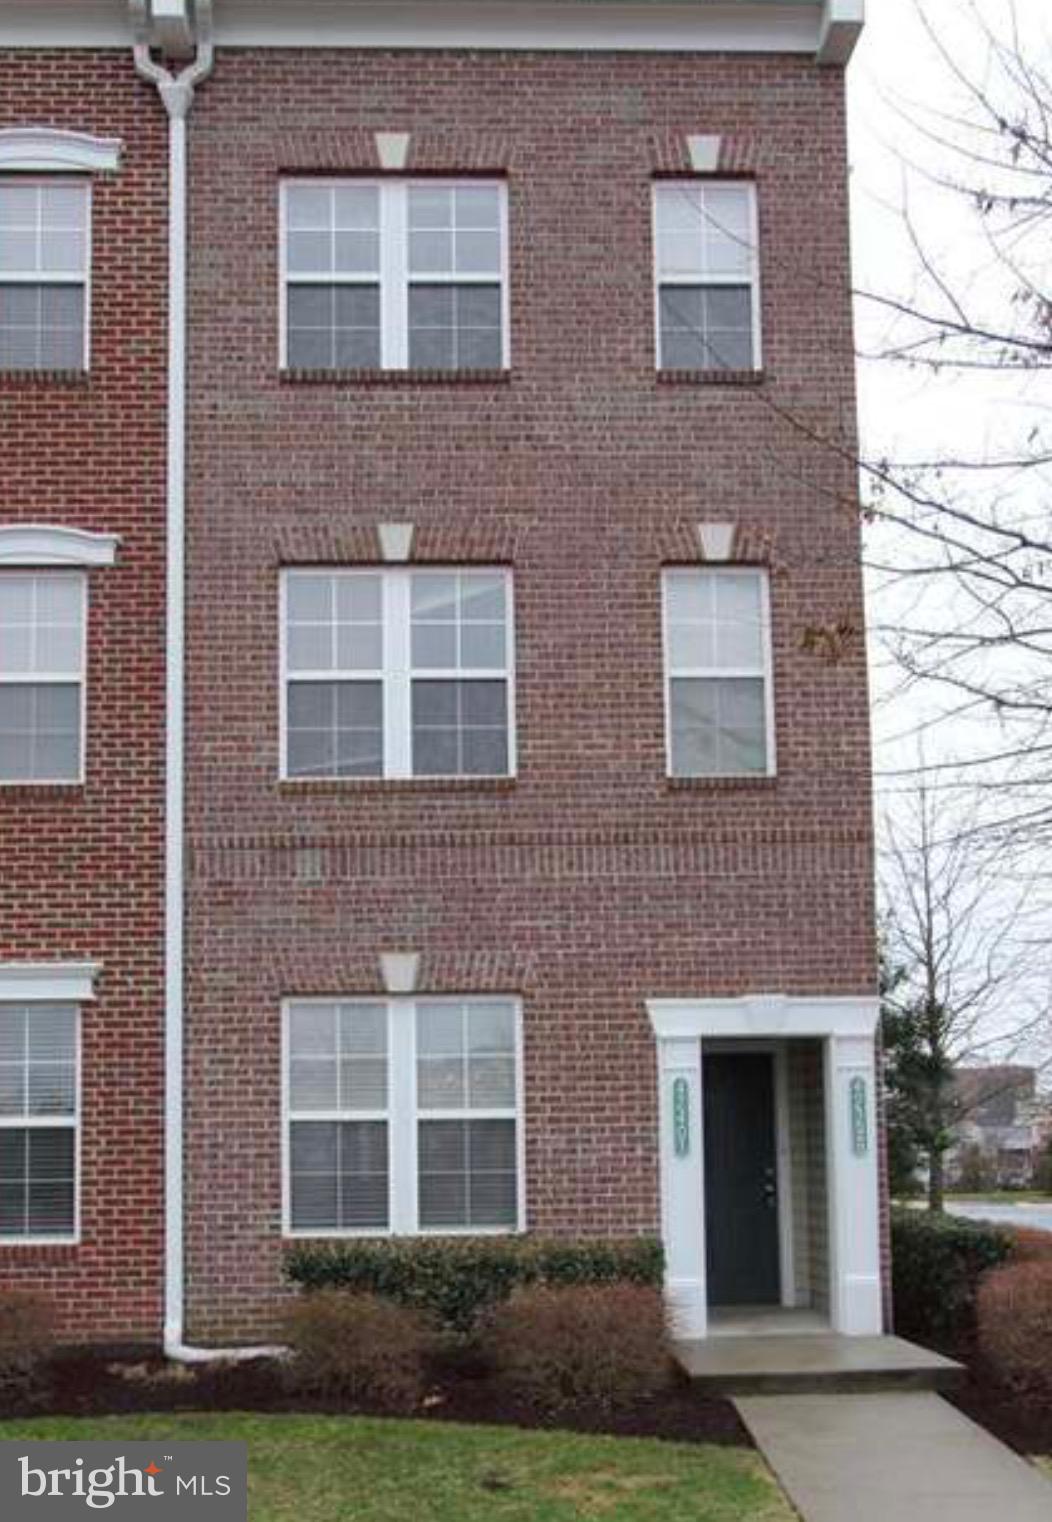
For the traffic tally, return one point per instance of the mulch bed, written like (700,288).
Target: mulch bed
(85,1384)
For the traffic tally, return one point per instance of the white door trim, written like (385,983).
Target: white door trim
(847,1028)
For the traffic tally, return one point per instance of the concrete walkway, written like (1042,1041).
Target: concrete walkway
(891,1458)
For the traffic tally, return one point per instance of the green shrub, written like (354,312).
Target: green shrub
(591,1348)
(454,1279)
(359,1349)
(937,1263)
(1015,1325)
(26,1343)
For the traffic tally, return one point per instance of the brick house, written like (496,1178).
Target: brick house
(493,850)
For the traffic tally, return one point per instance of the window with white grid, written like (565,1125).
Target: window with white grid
(397,673)
(718,673)
(44,269)
(42,618)
(707,275)
(402,1116)
(39,1104)
(394,275)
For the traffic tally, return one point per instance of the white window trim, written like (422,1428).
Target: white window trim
(59,679)
(710,280)
(48,982)
(63,277)
(402,1116)
(45,544)
(397,674)
(716,673)
(393,276)
(43,150)
(53,983)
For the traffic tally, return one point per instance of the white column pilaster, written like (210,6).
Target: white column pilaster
(683,1184)
(853,1187)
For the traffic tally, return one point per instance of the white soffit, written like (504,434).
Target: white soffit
(48,982)
(33,544)
(824,28)
(49,149)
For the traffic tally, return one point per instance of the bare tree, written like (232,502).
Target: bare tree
(965,564)
(967,985)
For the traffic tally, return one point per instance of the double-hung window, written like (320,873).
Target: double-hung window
(39,1108)
(718,673)
(402,1116)
(42,618)
(44,265)
(402,673)
(394,275)
(707,275)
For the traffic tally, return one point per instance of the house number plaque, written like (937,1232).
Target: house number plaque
(681,1117)
(859,1118)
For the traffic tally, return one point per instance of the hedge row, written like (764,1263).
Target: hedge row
(455,1279)
(937,1264)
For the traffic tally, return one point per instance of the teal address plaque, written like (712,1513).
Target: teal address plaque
(681,1117)
(859,1118)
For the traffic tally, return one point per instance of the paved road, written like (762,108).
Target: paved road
(1038,1216)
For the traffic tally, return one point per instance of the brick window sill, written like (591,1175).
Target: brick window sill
(721,784)
(395,377)
(711,377)
(354,786)
(41,792)
(44,377)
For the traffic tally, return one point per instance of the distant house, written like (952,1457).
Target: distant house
(1001,1115)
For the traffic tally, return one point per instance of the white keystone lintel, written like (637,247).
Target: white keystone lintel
(392,149)
(716,540)
(396,540)
(704,153)
(400,971)
(32,544)
(48,982)
(49,150)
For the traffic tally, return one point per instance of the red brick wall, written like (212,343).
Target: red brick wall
(81,867)
(591,882)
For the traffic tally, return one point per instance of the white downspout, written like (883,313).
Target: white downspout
(177,93)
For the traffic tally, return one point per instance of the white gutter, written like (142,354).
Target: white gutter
(177,93)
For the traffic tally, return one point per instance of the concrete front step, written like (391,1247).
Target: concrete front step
(816,1362)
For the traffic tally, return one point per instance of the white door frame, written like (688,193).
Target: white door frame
(847,1029)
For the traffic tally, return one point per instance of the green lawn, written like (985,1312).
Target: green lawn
(1045,1464)
(1002,1197)
(310,1468)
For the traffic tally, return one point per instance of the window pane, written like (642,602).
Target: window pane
(706,327)
(339,1175)
(335,729)
(468,1174)
(308,206)
(728,234)
(333,327)
(37,1182)
(460,728)
(40,733)
(41,327)
(718,727)
(455,327)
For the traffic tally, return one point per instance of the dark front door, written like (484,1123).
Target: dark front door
(741,1193)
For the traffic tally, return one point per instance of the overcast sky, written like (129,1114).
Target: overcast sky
(897,75)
